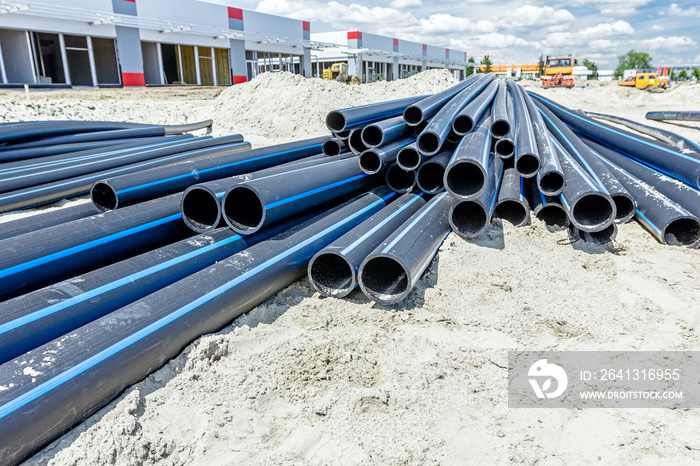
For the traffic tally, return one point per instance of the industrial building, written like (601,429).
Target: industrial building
(524,71)
(373,57)
(146,42)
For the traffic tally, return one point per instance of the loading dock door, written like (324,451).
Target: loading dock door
(105,60)
(78,60)
(50,62)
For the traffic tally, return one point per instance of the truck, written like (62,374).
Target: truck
(339,72)
(645,80)
(558,72)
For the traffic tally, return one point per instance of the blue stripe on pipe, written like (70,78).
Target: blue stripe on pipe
(544,199)
(577,167)
(314,191)
(379,225)
(412,224)
(67,375)
(425,264)
(106,128)
(576,152)
(495,193)
(566,204)
(54,308)
(166,180)
(521,189)
(85,246)
(649,222)
(611,130)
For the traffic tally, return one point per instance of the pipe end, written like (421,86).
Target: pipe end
(104,196)
(384,279)
(331,274)
(244,211)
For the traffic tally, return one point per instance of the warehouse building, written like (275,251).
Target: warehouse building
(146,42)
(373,57)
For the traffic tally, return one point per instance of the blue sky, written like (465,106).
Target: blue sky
(515,31)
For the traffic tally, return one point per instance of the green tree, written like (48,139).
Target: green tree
(487,61)
(683,75)
(470,66)
(672,75)
(540,63)
(632,60)
(696,74)
(591,66)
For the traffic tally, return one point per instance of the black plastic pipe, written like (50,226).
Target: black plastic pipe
(681,193)
(602,237)
(111,159)
(101,359)
(29,131)
(466,174)
(333,270)
(505,145)
(589,206)
(624,202)
(348,118)
(254,204)
(391,271)
(400,180)
(418,112)
(201,203)
(512,203)
(548,209)
(409,157)
(334,146)
(550,178)
(667,220)
(116,192)
(436,133)
(680,166)
(501,119)
(470,115)
(527,160)
(470,218)
(41,220)
(355,143)
(40,258)
(384,131)
(683,116)
(377,159)
(430,176)
(685,145)
(36,318)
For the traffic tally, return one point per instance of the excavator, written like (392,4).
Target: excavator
(339,72)
(558,72)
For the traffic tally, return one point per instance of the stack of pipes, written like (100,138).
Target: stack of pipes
(93,304)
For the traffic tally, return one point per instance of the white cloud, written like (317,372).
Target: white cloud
(673,43)
(614,8)
(560,39)
(445,24)
(499,41)
(697,59)
(675,10)
(336,14)
(401,4)
(530,15)
(602,44)
(657,27)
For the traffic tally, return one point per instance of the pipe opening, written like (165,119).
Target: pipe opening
(384,280)
(453,137)
(355,141)
(104,197)
(430,178)
(332,275)
(462,124)
(400,180)
(554,216)
(201,210)
(500,128)
(527,165)
(468,218)
(413,115)
(682,232)
(370,162)
(372,136)
(624,208)
(331,147)
(511,210)
(591,211)
(428,142)
(604,236)
(243,209)
(335,121)
(504,148)
(344,134)
(408,158)
(551,183)
(465,179)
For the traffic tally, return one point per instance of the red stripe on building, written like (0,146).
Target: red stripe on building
(133,79)
(239,79)
(396,42)
(447,51)
(425,46)
(307,26)
(132,1)
(235,13)
(354,35)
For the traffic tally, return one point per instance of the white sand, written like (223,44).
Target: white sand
(306,380)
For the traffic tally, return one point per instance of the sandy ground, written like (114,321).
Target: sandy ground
(308,380)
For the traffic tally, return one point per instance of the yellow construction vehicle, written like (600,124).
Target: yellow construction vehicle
(339,72)
(644,80)
(558,72)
